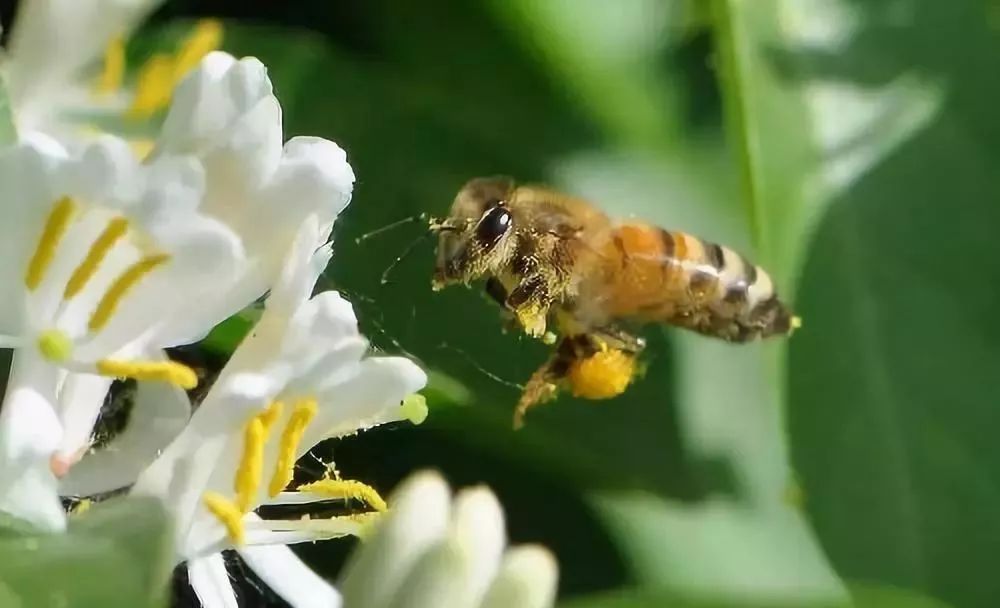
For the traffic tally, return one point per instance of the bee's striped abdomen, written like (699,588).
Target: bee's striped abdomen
(677,278)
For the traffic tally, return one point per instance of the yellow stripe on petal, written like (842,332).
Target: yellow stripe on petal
(346,489)
(170,372)
(55,227)
(114,231)
(284,468)
(228,515)
(122,285)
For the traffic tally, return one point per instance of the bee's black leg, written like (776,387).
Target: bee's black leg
(496,291)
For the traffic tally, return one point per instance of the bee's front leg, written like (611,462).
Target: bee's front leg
(530,302)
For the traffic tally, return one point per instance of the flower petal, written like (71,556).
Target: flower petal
(435,580)
(159,414)
(417,520)
(478,527)
(210,580)
(290,578)
(527,579)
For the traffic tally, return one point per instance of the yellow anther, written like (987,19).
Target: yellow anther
(160,74)
(113,72)
(125,282)
(228,515)
(82,507)
(153,87)
(251,466)
(605,374)
(170,372)
(270,415)
(303,414)
(796,322)
(346,489)
(366,522)
(55,227)
(414,408)
(55,345)
(115,230)
(203,39)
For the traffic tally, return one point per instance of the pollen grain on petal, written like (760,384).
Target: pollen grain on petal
(55,227)
(114,231)
(170,372)
(305,410)
(119,289)
(414,408)
(228,515)
(346,489)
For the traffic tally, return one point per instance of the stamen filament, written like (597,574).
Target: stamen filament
(122,285)
(305,411)
(228,515)
(250,469)
(115,230)
(346,489)
(170,372)
(55,227)
(113,72)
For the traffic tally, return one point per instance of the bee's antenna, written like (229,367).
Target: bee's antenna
(406,220)
(409,249)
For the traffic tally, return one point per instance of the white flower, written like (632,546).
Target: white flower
(55,48)
(300,377)
(437,552)
(225,114)
(102,259)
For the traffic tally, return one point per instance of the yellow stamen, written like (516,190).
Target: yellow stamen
(269,416)
(303,414)
(55,228)
(228,515)
(159,76)
(203,39)
(346,489)
(250,469)
(414,408)
(170,372)
(113,73)
(115,230)
(125,282)
(55,345)
(154,87)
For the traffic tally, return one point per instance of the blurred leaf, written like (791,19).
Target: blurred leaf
(226,336)
(8,133)
(861,597)
(882,151)
(116,554)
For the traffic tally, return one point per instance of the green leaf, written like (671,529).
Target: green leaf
(871,161)
(118,553)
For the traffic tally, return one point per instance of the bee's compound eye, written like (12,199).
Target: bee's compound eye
(494,225)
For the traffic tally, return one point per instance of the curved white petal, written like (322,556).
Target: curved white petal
(210,581)
(159,414)
(417,520)
(527,579)
(290,578)
(478,528)
(436,579)
(105,172)
(80,399)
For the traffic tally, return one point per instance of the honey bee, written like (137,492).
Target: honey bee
(550,259)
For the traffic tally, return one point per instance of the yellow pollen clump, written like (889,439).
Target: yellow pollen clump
(346,489)
(114,231)
(170,372)
(603,375)
(228,515)
(55,227)
(414,408)
(55,345)
(119,289)
(284,469)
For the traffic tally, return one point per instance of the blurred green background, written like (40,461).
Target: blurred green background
(848,145)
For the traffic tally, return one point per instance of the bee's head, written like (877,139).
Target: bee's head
(475,239)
